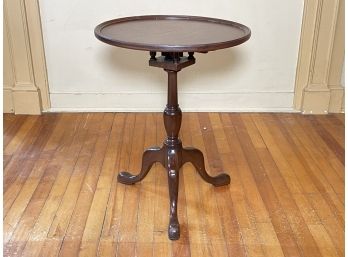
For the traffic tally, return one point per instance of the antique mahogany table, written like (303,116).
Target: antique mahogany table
(172,36)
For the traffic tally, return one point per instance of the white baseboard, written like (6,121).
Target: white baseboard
(189,101)
(286,110)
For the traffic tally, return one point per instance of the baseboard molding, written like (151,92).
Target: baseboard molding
(316,102)
(27,102)
(336,99)
(26,99)
(280,110)
(22,98)
(323,101)
(155,102)
(8,100)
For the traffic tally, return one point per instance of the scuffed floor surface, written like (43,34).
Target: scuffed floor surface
(286,196)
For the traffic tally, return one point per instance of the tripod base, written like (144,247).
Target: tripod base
(173,156)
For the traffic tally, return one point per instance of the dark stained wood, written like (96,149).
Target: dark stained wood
(172,155)
(172,36)
(175,65)
(172,33)
(285,198)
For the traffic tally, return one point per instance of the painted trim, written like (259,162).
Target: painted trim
(280,110)
(164,92)
(8,102)
(317,87)
(25,66)
(38,52)
(150,101)
(320,58)
(8,80)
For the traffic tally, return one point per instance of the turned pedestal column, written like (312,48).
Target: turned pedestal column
(172,155)
(172,36)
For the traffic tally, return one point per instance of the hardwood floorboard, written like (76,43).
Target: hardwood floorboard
(314,171)
(107,248)
(128,226)
(98,138)
(320,144)
(286,196)
(196,229)
(45,156)
(334,127)
(94,223)
(293,213)
(210,206)
(66,164)
(12,123)
(281,224)
(146,205)
(330,141)
(9,119)
(340,117)
(247,212)
(334,176)
(145,249)
(31,146)
(229,203)
(327,182)
(113,217)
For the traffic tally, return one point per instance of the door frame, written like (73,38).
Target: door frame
(26,88)
(318,86)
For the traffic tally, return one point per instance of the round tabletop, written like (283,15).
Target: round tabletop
(172,33)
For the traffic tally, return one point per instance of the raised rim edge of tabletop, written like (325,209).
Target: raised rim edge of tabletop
(168,48)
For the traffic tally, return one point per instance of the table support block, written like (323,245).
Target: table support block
(172,155)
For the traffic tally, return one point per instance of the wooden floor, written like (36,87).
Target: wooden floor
(286,196)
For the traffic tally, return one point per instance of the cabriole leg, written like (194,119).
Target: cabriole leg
(150,156)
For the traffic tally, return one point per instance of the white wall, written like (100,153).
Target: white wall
(86,74)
